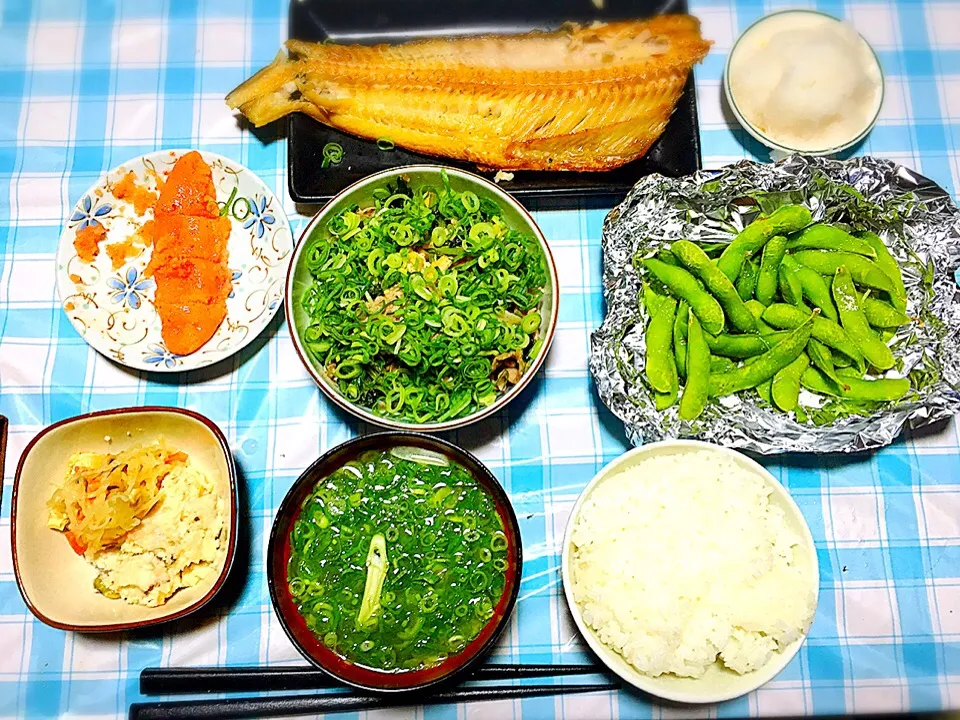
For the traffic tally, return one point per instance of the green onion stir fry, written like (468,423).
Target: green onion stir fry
(425,306)
(398,560)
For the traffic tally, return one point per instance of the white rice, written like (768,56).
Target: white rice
(681,561)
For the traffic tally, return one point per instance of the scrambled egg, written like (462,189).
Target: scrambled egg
(175,546)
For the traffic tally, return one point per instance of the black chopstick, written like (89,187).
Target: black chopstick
(179,680)
(234,708)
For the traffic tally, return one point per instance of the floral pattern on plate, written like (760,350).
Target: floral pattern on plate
(112,307)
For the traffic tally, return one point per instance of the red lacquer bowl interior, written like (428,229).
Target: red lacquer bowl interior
(295,626)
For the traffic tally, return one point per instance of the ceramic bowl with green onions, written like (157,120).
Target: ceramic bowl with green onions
(422,298)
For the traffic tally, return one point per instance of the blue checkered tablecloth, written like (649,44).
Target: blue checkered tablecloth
(84,87)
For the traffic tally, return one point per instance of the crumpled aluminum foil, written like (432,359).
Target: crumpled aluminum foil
(916,218)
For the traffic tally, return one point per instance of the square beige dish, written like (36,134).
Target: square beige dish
(56,582)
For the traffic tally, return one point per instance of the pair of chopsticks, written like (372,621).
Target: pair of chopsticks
(169,681)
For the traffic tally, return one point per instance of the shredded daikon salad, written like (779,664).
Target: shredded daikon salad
(104,496)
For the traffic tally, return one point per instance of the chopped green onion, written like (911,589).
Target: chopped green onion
(385,144)
(332,154)
(409,292)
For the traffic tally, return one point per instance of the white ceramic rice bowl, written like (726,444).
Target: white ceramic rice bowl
(718,683)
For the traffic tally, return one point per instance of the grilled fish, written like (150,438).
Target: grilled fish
(580,98)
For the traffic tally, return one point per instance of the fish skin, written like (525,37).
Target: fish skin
(580,98)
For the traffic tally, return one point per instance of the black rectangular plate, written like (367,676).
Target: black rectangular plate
(675,153)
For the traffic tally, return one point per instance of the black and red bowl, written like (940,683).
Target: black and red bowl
(293,623)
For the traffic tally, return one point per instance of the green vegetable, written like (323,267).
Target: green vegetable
(666,256)
(815,381)
(786,384)
(821,357)
(651,299)
(890,267)
(667,399)
(397,563)
(376,573)
(719,364)
(791,287)
(882,390)
(816,290)
(686,287)
(765,391)
(386,144)
(680,338)
(826,331)
(742,346)
(863,271)
(773,253)
(786,219)
(855,324)
(332,154)
(423,306)
(716,282)
(747,280)
(660,366)
(881,314)
(756,309)
(694,398)
(848,372)
(765,367)
(828,237)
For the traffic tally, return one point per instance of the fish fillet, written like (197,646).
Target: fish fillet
(189,260)
(580,98)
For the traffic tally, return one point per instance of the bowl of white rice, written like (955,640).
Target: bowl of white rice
(690,571)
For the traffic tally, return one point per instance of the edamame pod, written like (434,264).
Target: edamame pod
(828,237)
(664,400)
(781,315)
(881,314)
(849,372)
(719,364)
(765,391)
(816,290)
(651,299)
(821,357)
(783,220)
(668,257)
(855,324)
(882,390)
(747,280)
(764,388)
(756,309)
(685,286)
(695,260)
(765,367)
(864,272)
(767,277)
(815,381)
(785,389)
(742,346)
(790,287)
(889,265)
(680,339)
(661,367)
(694,398)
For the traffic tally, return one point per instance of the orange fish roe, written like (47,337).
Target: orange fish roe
(120,252)
(87,242)
(189,260)
(127,189)
(145,234)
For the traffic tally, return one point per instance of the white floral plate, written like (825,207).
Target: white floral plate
(112,308)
